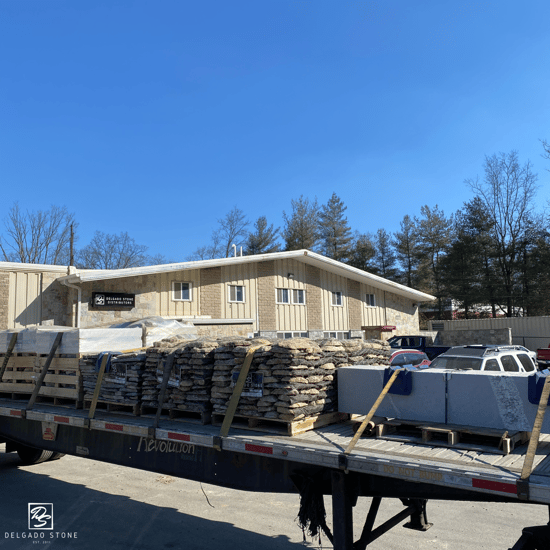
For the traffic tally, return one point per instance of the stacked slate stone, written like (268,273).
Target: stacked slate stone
(121,382)
(298,376)
(345,353)
(228,358)
(190,381)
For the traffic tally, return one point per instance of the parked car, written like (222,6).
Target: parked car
(403,357)
(486,358)
(420,343)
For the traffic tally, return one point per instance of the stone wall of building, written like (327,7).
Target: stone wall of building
(211,292)
(267,318)
(401,313)
(314,302)
(142,287)
(225,330)
(355,305)
(56,299)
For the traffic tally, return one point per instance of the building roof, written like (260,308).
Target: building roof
(305,256)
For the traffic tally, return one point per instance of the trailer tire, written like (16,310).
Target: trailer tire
(30,455)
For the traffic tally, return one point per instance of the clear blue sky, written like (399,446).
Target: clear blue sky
(158,117)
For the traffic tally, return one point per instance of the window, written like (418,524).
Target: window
(509,363)
(181,292)
(491,365)
(285,335)
(236,293)
(526,361)
(337,298)
(370,300)
(298,296)
(339,335)
(283,296)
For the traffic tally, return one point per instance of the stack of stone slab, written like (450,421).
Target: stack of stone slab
(228,359)
(289,380)
(190,379)
(121,382)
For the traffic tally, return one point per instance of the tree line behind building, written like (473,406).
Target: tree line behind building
(491,257)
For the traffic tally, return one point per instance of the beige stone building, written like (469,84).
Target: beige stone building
(285,294)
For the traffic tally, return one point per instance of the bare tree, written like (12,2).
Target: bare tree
(232,230)
(159,259)
(112,252)
(507,191)
(41,237)
(207,252)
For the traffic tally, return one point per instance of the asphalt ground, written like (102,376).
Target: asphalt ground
(102,506)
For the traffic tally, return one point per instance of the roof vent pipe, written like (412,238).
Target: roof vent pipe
(234,250)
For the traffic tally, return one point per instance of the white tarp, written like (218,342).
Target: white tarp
(84,341)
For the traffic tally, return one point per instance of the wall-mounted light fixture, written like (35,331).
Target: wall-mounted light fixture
(290,275)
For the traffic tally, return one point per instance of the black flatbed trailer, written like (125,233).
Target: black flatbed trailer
(311,464)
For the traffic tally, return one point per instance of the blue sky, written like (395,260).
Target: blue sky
(158,117)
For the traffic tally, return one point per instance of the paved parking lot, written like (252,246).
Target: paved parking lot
(98,505)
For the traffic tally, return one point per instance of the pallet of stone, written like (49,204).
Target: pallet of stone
(445,435)
(63,382)
(289,380)
(122,380)
(190,379)
(194,417)
(274,425)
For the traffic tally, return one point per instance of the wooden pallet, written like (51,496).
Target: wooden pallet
(62,384)
(197,417)
(273,425)
(110,406)
(444,435)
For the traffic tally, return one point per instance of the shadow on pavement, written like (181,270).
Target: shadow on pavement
(109,521)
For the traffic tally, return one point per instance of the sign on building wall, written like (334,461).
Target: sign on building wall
(113,299)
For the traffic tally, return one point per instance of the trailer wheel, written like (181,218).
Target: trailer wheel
(30,455)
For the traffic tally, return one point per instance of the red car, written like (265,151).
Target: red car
(406,357)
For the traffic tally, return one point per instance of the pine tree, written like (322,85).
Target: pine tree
(384,256)
(334,231)
(435,232)
(406,243)
(263,240)
(362,252)
(301,227)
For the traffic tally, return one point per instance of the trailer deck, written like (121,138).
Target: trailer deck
(489,474)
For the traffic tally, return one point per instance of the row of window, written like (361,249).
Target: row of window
(182,292)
